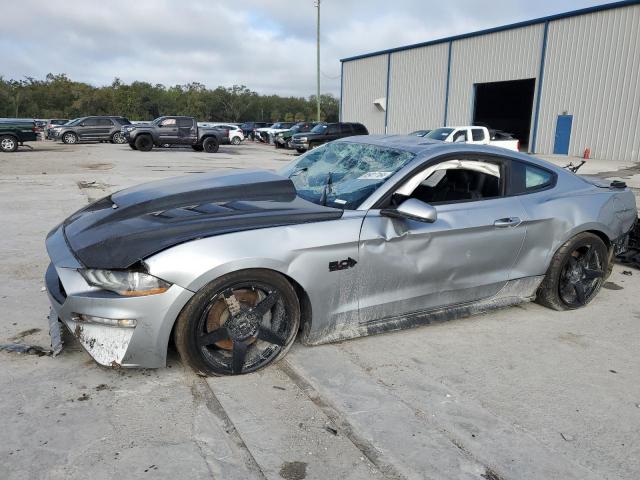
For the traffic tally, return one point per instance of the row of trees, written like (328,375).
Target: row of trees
(57,96)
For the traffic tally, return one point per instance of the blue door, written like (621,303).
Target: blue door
(563,134)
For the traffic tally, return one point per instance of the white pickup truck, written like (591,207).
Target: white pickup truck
(476,135)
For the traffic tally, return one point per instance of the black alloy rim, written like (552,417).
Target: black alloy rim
(248,330)
(581,276)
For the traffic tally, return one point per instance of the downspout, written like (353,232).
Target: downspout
(534,134)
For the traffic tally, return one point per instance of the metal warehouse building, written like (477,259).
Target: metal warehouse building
(561,84)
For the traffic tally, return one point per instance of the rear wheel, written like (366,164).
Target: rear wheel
(210,145)
(239,323)
(235,140)
(118,138)
(144,143)
(132,146)
(576,274)
(8,143)
(69,138)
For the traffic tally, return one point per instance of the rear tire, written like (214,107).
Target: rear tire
(210,145)
(118,138)
(132,146)
(235,141)
(576,274)
(8,143)
(69,138)
(208,335)
(144,143)
(301,150)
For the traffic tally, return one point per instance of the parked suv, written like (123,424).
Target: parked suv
(283,139)
(326,132)
(92,129)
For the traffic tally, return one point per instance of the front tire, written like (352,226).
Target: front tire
(8,143)
(576,274)
(69,138)
(144,143)
(210,145)
(239,323)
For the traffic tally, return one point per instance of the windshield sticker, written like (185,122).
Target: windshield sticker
(340,201)
(375,175)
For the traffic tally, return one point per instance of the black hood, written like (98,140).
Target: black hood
(130,225)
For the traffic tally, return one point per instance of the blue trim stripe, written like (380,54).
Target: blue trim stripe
(534,134)
(446,95)
(559,16)
(341,86)
(386,106)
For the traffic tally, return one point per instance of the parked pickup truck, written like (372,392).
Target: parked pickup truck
(14,132)
(173,131)
(477,135)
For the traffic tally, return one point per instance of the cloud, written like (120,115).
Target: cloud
(268,46)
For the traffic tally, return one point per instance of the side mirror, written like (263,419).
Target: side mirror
(412,209)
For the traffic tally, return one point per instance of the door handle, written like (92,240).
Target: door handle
(507,222)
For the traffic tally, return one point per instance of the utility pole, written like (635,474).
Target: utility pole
(317,5)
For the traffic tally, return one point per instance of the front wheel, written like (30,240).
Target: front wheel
(69,138)
(8,143)
(238,324)
(144,143)
(576,274)
(210,145)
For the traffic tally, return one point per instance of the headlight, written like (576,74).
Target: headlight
(302,139)
(122,282)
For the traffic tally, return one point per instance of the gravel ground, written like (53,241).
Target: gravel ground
(522,393)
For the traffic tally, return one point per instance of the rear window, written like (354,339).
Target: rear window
(360,129)
(477,134)
(527,178)
(185,122)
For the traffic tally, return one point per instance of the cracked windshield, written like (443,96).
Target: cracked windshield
(344,174)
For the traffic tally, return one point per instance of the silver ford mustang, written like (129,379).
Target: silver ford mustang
(359,236)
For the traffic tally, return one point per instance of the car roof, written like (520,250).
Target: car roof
(426,148)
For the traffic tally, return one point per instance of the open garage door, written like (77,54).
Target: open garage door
(506,106)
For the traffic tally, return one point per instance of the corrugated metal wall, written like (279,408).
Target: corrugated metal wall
(417,88)
(364,81)
(592,71)
(508,55)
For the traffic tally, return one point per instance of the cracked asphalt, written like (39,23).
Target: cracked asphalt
(522,393)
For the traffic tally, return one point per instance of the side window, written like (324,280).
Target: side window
(456,181)
(359,129)
(331,130)
(168,122)
(460,136)
(185,122)
(477,134)
(529,178)
(105,122)
(346,129)
(90,122)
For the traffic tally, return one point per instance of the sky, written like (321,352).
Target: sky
(267,45)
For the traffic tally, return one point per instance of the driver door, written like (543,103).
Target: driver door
(168,131)
(407,266)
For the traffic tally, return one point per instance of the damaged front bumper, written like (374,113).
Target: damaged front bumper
(73,301)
